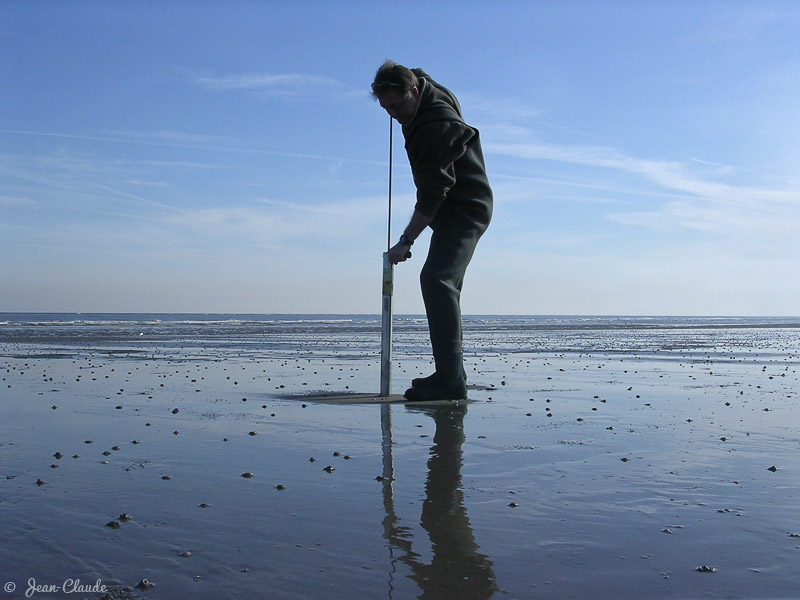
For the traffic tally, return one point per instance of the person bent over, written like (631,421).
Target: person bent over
(453,198)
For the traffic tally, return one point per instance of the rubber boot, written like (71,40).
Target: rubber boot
(448,383)
(420,381)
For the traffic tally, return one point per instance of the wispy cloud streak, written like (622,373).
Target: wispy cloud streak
(275,85)
(669,175)
(173,139)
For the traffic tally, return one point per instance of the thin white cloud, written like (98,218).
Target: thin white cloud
(176,139)
(286,221)
(284,85)
(503,109)
(145,183)
(717,167)
(743,24)
(169,137)
(670,175)
(138,198)
(12,201)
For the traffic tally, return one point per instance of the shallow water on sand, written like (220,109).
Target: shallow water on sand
(596,461)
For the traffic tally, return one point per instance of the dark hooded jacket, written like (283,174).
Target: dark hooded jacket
(446,158)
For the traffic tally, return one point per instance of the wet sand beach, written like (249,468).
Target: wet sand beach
(594,459)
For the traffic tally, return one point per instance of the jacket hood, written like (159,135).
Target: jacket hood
(436,103)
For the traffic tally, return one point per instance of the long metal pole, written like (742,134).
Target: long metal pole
(388,290)
(386,384)
(389,219)
(386,328)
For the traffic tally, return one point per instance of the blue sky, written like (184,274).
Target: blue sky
(226,156)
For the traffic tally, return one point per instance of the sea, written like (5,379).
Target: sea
(358,335)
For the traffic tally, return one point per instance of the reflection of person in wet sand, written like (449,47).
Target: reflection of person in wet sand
(457,569)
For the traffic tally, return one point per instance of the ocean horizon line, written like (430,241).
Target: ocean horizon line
(421,315)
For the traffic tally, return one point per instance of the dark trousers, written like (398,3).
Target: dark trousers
(451,248)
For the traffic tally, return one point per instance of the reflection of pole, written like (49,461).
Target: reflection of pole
(389,519)
(386,327)
(388,457)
